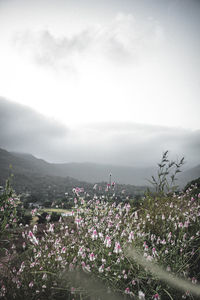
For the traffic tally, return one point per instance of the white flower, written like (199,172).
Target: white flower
(141,295)
(101,269)
(107,242)
(118,248)
(92,257)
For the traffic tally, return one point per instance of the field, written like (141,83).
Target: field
(110,251)
(105,250)
(57,210)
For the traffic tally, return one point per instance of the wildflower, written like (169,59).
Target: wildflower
(168,269)
(92,257)
(22,267)
(86,269)
(48,217)
(3,291)
(141,295)
(154,252)
(156,296)
(101,269)
(107,242)
(63,250)
(131,237)
(127,291)
(117,248)
(94,235)
(33,212)
(194,281)
(44,277)
(31,284)
(32,238)
(101,235)
(51,228)
(35,228)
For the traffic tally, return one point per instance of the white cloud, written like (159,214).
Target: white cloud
(119,143)
(124,39)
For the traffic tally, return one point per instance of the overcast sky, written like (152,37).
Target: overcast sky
(108,81)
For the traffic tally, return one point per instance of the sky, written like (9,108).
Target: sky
(103,81)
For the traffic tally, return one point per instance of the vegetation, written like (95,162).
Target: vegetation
(109,250)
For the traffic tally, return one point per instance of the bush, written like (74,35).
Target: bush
(8,209)
(55,216)
(166,236)
(42,218)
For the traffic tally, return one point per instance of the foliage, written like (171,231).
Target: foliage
(8,209)
(193,186)
(146,250)
(42,218)
(166,175)
(55,216)
(59,264)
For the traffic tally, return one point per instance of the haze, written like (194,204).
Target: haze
(118,80)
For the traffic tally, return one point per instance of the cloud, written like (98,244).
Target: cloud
(130,144)
(123,39)
(23,129)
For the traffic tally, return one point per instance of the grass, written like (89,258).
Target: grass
(57,210)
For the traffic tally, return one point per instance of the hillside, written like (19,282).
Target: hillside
(88,172)
(47,182)
(28,167)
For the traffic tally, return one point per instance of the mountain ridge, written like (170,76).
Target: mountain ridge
(87,172)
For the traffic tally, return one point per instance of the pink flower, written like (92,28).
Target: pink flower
(35,228)
(117,248)
(141,295)
(92,257)
(32,238)
(94,235)
(127,291)
(156,296)
(101,269)
(48,217)
(63,250)
(131,237)
(154,252)
(107,242)
(31,284)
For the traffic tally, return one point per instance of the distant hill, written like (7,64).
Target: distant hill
(29,166)
(32,174)
(89,172)
(46,181)
(189,175)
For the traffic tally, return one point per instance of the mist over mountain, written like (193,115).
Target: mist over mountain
(132,145)
(28,165)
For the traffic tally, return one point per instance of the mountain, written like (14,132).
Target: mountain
(46,182)
(34,175)
(88,172)
(27,165)
(189,175)
(92,172)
